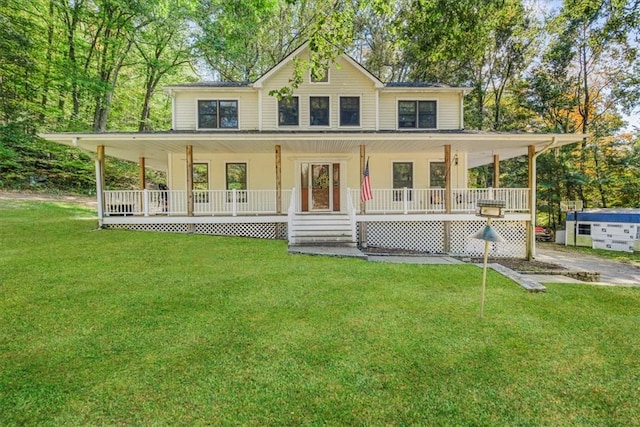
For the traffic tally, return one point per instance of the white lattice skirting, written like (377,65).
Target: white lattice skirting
(428,236)
(256,230)
(423,236)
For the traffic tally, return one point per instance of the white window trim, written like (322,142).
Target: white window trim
(226,162)
(413,170)
(298,126)
(310,126)
(197,115)
(208,163)
(429,162)
(584,224)
(359,96)
(417,99)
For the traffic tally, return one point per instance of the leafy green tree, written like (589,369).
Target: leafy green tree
(17,64)
(164,48)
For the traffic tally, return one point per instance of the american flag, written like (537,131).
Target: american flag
(366,194)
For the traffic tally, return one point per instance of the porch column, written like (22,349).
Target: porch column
(189,180)
(447,179)
(363,154)
(447,197)
(496,171)
(278,180)
(141,175)
(363,225)
(532,203)
(100,183)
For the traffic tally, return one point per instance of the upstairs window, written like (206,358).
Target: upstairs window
(349,111)
(288,112)
(217,114)
(417,114)
(319,111)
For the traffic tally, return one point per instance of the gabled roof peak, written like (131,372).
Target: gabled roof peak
(258,83)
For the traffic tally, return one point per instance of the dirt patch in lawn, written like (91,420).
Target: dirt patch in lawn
(86,201)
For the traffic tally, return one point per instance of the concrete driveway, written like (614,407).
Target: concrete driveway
(611,272)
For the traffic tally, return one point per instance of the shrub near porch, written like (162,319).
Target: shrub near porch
(117,327)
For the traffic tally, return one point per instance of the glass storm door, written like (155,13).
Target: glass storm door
(320,187)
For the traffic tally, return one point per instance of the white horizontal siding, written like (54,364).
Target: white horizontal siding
(343,81)
(186,107)
(448,108)
(449,111)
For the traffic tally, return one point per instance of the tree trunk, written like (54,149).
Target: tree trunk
(47,71)
(150,87)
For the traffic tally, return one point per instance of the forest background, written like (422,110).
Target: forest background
(533,66)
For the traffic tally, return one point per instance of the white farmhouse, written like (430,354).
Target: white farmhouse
(240,162)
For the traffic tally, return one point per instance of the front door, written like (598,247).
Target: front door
(320,187)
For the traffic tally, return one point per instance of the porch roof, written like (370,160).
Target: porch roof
(155,146)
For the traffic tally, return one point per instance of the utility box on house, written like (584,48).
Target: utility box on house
(609,229)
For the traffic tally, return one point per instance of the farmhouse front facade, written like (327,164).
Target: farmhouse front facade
(241,162)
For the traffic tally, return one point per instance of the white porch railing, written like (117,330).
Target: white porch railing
(263,202)
(205,202)
(431,200)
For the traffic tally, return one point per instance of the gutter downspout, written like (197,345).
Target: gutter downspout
(534,184)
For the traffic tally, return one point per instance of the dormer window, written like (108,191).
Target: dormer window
(288,112)
(217,114)
(417,115)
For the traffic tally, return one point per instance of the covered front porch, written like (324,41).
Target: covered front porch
(409,219)
(415,217)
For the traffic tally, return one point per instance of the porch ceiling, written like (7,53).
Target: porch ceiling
(155,147)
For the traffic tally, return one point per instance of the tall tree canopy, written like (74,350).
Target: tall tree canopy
(83,65)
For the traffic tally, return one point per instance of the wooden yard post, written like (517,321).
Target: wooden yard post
(496,171)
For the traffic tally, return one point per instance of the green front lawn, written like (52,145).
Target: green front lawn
(121,327)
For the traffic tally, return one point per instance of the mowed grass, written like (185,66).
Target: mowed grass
(106,327)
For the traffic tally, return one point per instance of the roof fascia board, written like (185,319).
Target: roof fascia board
(532,138)
(376,81)
(175,89)
(425,89)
